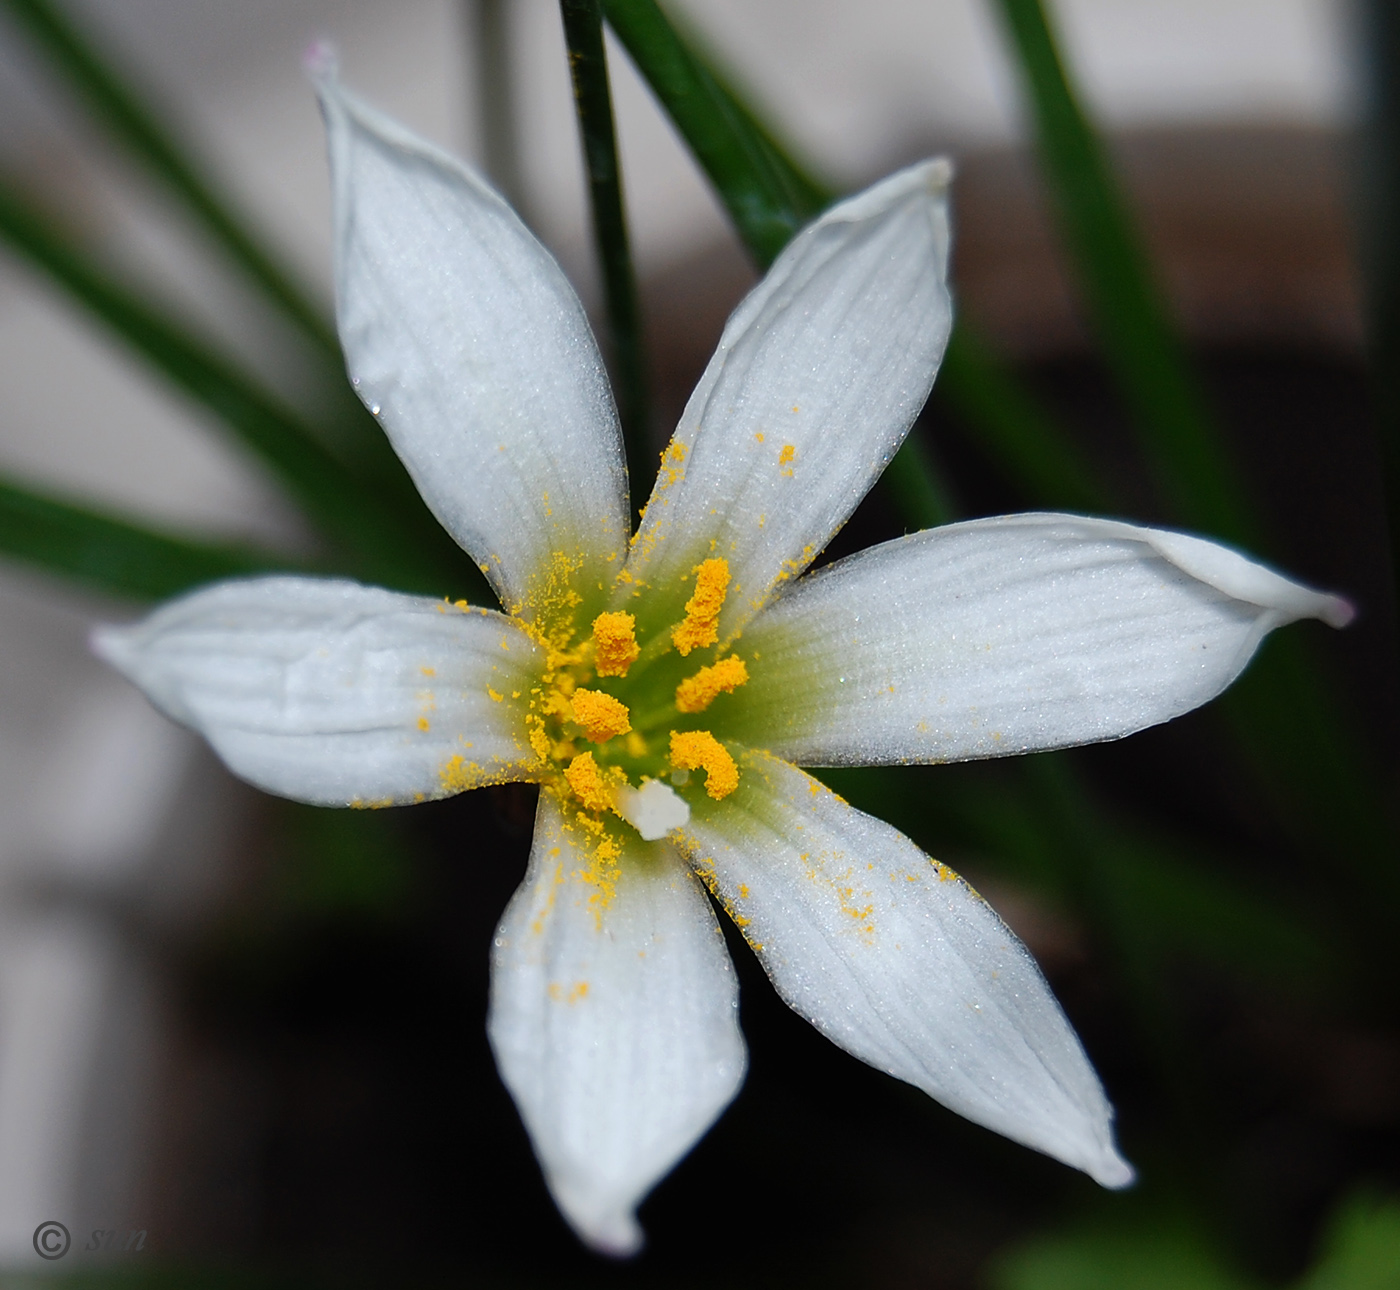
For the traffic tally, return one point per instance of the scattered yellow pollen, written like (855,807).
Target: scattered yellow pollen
(496,695)
(788,452)
(701,624)
(615,643)
(458,774)
(579,990)
(423,723)
(587,781)
(539,740)
(428,671)
(600,715)
(700,750)
(759,436)
(697,692)
(743,892)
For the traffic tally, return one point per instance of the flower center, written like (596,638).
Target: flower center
(619,717)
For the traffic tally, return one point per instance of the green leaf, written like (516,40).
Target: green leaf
(1146,1251)
(411,552)
(114,555)
(766,197)
(1178,434)
(1015,430)
(120,109)
(769,197)
(1360,1249)
(583,36)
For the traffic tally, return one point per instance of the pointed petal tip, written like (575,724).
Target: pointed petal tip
(614,1232)
(1337,611)
(1112,1171)
(321,63)
(112,645)
(929,178)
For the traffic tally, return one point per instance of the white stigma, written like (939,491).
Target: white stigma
(653,810)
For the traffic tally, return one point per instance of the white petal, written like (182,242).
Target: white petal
(1006,635)
(334,693)
(817,379)
(614,1022)
(465,339)
(901,963)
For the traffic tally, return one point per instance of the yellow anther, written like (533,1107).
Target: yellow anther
(701,625)
(600,715)
(588,783)
(615,646)
(700,750)
(697,692)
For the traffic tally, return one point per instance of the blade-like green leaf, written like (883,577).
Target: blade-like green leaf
(583,36)
(122,111)
(1015,430)
(757,188)
(769,197)
(414,553)
(114,555)
(1178,434)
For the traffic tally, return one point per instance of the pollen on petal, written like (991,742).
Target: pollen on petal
(697,692)
(700,750)
(615,646)
(600,715)
(701,623)
(589,784)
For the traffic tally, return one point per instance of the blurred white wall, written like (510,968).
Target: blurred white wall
(91,782)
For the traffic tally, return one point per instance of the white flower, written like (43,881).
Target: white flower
(675,681)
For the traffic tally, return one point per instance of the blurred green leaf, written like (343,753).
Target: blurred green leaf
(1287,719)
(402,548)
(1178,434)
(583,37)
(1107,1260)
(769,197)
(1360,1248)
(121,110)
(114,555)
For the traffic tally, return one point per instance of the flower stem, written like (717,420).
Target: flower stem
(583,35)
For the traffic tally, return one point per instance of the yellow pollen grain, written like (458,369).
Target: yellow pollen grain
(586,779)
(600,715)
(701,624)
(615,646)
(787,453)
(423,723)
(697,692)
(539,740)
(700,750)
